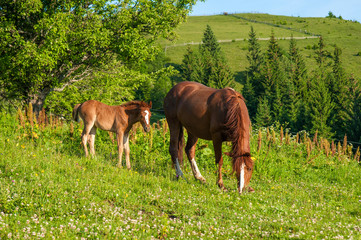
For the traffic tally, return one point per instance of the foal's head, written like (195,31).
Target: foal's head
(140,112)
(145,116)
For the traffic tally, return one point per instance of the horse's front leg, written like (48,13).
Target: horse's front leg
(120,136)
(217,144)
(190,151)
(126,149)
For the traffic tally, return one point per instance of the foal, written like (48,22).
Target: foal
(118,119)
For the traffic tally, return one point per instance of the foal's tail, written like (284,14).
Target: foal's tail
(75,113)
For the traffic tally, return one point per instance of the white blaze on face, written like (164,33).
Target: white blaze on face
(146,116)
(241,178)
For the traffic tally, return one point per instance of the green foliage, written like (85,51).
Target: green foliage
(46,45)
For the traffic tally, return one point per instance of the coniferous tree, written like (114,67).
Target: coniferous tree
(263,115)
(192,66)
(249,94)
(321,106)
(215,71)
(255,60)
(339,86)
(273,82)
(296,87)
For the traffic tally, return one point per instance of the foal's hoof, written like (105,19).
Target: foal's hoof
(222,187)
(250,189)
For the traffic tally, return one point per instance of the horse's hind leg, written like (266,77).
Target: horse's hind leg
(175,146)
(84,137)
(190,151)
(126,149)
(91,139)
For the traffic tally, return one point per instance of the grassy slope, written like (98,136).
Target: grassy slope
(49,189)
(345,34)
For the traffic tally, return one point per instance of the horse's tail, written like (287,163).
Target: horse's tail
(180,145)
(75,113)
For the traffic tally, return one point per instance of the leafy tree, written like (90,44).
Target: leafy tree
(48,45)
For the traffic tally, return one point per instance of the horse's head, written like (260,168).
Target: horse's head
(245,173)
(145,116)
(243,166)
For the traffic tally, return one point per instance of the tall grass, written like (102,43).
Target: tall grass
(50,190)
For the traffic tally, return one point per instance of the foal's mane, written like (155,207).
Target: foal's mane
(134,105)
(236,127)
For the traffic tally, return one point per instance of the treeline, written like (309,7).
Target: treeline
(280,88)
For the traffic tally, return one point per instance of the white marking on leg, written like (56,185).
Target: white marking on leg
(195,168)
(241,178)
(177,168)
(147,116)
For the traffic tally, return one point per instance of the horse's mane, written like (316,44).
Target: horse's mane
(134,104)
(236,127)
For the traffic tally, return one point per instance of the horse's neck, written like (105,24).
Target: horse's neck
(132,116)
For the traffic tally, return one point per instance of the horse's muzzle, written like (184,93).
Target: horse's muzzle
(146,129)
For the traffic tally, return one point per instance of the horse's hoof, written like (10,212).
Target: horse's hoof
(202,180)
(250,189)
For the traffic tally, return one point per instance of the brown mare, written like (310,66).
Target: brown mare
(118,119)
(212,114)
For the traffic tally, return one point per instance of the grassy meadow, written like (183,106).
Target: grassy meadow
(235,27)
(304,188)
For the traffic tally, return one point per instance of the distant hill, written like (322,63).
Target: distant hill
(232,31)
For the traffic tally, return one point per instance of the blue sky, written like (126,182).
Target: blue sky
(348,9)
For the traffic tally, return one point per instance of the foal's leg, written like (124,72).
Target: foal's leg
(91,139)
(190,151)
(126,149)
(85,135)
(175,129)
(217,144)
(120,135)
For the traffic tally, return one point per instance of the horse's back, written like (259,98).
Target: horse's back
(197,107)
(101,114)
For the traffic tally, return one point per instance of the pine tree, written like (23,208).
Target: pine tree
(341,95)
(321,106)
(273,80)
(254,57)
(296,87)
(263,116)
(210,43)
(216,72)
(192,66)
(248,93)
(321,52)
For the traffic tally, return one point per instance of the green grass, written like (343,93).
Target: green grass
(345,34)
(48,189)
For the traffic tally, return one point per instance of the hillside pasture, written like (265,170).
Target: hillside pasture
(336,32)
(49,190)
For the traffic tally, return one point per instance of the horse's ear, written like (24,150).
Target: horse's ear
(150,104)
(228,154)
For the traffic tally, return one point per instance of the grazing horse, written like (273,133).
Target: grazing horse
(212,114)
(118,119)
